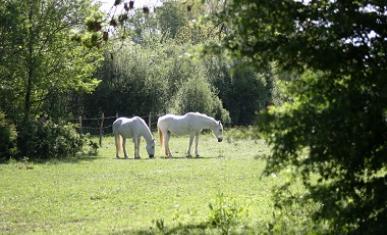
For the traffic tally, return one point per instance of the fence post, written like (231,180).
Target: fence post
(150,120)
(80,124)
(101,128)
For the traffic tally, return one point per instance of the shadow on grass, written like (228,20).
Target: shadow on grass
(200,228)
(180,229)
(133,159)
(164,158)
(74,159)
(191,158)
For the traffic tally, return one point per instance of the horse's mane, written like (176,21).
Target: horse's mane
(146,127)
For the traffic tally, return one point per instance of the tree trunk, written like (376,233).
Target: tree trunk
(30,67)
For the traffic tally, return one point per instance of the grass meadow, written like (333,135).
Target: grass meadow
(103,195)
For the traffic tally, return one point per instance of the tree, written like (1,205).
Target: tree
(48,49)
(7,138)
(196,95)
(238,81)
(338,106)
(170,19)
(139,79)
(43,53)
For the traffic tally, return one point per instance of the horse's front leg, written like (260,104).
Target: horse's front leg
(136,141)
(196,144)
(191,137)
(138,147)
(124,147)
(167,150)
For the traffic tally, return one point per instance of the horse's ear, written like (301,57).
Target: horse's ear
(219,122)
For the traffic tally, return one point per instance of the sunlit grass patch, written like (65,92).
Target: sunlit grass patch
(101,194)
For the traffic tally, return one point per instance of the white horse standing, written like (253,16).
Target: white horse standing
(133,128)
(190,123)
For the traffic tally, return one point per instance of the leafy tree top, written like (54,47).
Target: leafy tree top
(342,37)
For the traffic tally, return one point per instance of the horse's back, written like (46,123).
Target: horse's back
(169,118)
(181,124)
(127,126)
(164,120)
(195,115)
(189,115)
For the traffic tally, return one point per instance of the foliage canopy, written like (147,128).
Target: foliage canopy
(40,56)
(338,106)
(46,54)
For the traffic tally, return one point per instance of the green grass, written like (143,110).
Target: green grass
(103,195)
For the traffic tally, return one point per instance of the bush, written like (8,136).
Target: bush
(195,95)
(225,214)
(293,213)
(48,140)
(8,137)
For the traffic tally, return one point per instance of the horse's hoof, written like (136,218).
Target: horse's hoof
(126,157)
(197,155)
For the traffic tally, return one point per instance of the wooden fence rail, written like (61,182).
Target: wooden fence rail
(101,127)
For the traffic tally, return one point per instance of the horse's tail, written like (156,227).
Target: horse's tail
(118,140)
(161,138)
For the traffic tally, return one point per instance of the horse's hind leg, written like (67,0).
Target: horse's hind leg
(166,143)
(136,147)
(191,137)
(196,144)
(118,144)
(124,147)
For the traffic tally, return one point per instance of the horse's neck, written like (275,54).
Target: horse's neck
(147,134)
(210,122)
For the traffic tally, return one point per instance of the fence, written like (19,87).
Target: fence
(103,124)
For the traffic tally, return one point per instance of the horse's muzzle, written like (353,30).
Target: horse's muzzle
(151,156)
(220,139)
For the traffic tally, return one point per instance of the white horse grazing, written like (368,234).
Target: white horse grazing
(190,123)
(133,128)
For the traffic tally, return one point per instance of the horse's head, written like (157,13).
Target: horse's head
(218,131)
(150,148)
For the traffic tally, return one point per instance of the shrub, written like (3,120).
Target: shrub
(48,140)
(293,213)
(196,95)
(90,147)
(8,136)
(224,214)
